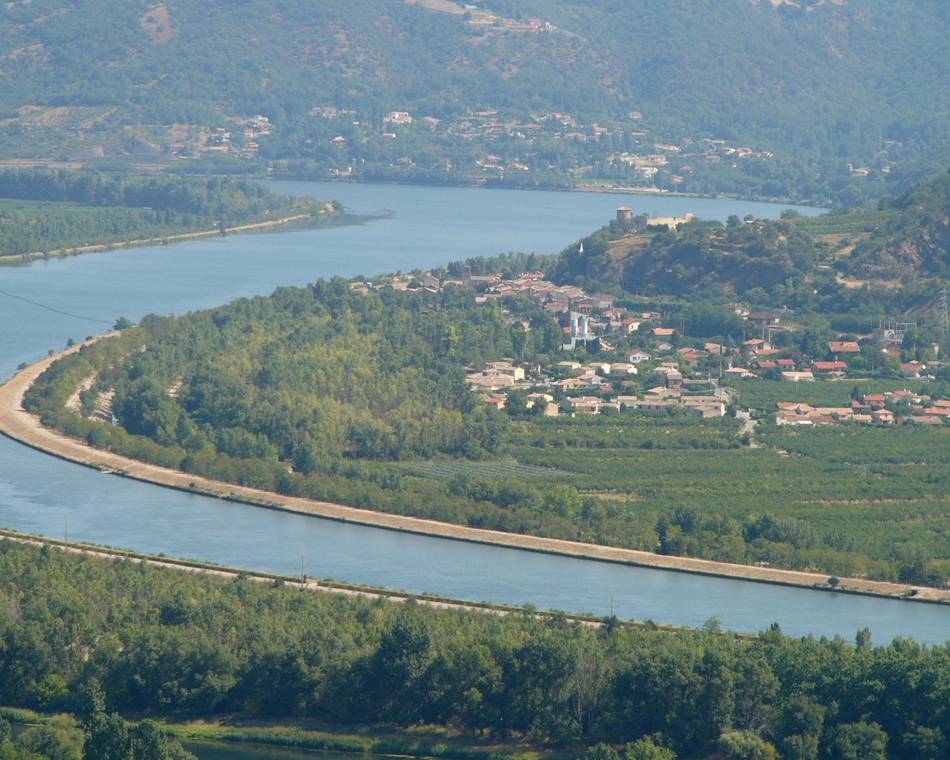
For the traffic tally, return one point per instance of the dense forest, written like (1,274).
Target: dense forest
(804,81)
(42,210)
(90,636)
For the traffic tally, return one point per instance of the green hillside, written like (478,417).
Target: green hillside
(805,91)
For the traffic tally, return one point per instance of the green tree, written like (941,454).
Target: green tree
(858,741)
(645,748)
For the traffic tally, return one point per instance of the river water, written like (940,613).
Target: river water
(80,296)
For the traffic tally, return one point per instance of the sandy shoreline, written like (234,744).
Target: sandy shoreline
(26,428)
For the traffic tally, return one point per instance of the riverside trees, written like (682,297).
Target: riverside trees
(164,642)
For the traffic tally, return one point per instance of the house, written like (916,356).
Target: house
(922,419)
(829,368)
(653,406)
(545,401)
(674,378)
(882,417)
(756,346)
(704,406)
(630,325)
(638,356)
(598,368)
(844,347)
(602,301)
(622,369)
(798,377)
(661,391)
(504,368)
(741,372)
(490,381)
(663,332)
(497,401)
(430,282)
(913,369)
(765,317)
(691,355)
(569,368)
(792,418)
(584,404)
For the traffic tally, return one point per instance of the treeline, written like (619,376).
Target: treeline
(98,736)
(45,210)
(161,642)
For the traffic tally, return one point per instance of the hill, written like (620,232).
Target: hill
(824,100)
(897,246)
(916,239)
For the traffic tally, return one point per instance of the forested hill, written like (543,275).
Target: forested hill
(820,84)
(917,238)
(901,244)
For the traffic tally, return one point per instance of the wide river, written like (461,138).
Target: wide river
(45,303)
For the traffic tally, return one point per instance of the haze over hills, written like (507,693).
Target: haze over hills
(839,101)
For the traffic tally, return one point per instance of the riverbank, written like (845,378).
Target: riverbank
(306,583)
(577,187)
(180,237)
(313,737)
(26,428)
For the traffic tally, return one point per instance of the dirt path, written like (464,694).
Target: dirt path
(26,428)
(303,584)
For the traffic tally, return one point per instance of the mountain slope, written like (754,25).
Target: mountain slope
(820,84)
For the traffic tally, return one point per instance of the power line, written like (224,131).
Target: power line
(54,309)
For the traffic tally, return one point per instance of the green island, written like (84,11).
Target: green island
(196,656)
(44,212)
(489,396)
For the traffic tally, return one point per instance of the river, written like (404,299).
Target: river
(79,296)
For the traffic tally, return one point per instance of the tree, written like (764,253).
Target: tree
(858,741)
(148,742)
(801,724)
(645,748)
(746,745)
(107,739)
(601,752)
(57,740)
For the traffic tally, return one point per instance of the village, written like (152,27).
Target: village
(615,359)
(506,145)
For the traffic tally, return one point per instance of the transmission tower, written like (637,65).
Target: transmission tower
(943,303)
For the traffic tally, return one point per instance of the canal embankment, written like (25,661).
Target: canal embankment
(26,428)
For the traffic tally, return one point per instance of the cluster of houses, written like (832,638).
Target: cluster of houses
(507,143)
(886,408)
(667,374)
(241,140)
(599,387)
